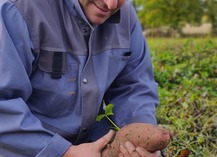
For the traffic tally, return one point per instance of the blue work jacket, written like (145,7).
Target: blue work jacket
(56,69)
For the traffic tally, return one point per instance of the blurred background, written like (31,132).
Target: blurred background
(177,18)
(181,35)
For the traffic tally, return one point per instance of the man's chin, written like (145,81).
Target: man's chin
(98,21)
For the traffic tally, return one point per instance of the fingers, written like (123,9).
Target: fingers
(130,147)
(103,141)
(143,152)
(128,150)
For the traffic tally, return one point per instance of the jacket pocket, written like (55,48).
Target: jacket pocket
(117,62)
(54,85)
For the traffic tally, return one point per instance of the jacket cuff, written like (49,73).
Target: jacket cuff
(141,119)
(56,148)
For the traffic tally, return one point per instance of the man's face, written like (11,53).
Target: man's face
(98,11)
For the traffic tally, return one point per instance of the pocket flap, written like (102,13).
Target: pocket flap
(53,62)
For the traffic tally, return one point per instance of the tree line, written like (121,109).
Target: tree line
(176,13)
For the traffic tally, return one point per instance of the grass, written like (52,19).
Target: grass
(186,71)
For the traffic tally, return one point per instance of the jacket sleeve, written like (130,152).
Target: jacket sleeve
(21,133)
(134,92)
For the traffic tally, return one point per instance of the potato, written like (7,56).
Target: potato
(151,137)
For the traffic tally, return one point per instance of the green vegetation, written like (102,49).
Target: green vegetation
(108,112)
(171,13)
(186,71)
(176,13)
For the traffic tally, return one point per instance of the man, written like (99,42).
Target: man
(59,60)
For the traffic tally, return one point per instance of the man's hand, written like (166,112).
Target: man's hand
(93,149)
(129,150)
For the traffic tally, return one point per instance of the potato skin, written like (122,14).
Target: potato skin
(149,136)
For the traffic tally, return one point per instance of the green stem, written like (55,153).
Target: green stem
(116,127)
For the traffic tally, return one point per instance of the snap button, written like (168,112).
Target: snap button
(84,30)
(84,130)
(85,81)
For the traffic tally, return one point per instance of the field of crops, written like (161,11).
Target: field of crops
(186,71)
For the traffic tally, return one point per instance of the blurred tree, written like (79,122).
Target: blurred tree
(172,13)
(210,7)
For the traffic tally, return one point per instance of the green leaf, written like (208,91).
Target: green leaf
(99,117)
(108,109)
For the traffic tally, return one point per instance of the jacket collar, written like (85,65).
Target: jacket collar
(115,18)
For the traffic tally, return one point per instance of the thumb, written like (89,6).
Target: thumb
(103,141)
